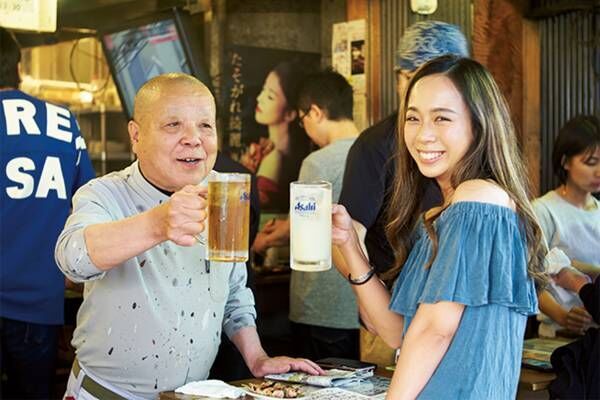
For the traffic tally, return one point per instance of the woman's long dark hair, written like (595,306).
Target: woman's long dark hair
(290,76)
(493,155)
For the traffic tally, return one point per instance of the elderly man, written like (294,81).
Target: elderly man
(154,306)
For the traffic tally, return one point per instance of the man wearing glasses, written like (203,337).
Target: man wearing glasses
(323,309)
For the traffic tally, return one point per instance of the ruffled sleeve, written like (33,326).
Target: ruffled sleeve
(481,259)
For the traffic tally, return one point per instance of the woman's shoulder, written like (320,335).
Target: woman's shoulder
(482,191)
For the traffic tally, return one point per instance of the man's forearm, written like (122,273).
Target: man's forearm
(248,343)
(112,243)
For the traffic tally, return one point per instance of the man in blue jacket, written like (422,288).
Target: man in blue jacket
(43,162)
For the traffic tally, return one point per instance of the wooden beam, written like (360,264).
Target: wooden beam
(497,44)
(357,9)
(374,71)
(509,46)
(531,123)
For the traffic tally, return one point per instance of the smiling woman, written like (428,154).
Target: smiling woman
(438,127)
(465,270)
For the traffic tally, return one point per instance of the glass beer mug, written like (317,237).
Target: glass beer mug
(228,216)
(310,226)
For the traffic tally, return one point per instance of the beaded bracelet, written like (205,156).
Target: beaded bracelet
(364,278)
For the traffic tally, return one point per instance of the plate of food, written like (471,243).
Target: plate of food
(275,390)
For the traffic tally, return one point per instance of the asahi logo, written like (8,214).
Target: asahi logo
(305,206)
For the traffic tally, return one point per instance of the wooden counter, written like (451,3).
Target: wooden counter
(530,380)
(534,381)
(179,396)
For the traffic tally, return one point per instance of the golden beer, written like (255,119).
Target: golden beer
(228,217)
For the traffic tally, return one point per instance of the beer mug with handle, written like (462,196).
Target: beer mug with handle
(228,216)
(310,226)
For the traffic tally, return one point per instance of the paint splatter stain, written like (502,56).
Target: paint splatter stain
(110,351)
(142,263)
(182,313)
(153,342)
(144,358)
(156,356)
(156,384)
(214,315)
(192,314)
(190,281)
(191,341)
(134,305)
(175,282)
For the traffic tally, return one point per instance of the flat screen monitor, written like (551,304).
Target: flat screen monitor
(144,50)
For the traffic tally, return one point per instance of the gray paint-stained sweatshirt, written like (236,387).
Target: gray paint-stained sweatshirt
(153,323)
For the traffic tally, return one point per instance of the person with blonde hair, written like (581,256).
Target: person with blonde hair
(370,168)
(465,270)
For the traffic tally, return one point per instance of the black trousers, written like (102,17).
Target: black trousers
(315,342)
(28,359)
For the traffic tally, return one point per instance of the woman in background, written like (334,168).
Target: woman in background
(570,218)
(277,160)
(464,269)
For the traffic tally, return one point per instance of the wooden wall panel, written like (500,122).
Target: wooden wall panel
(374,71)
(497,44)
(531,115)
(357,9)
(508,45)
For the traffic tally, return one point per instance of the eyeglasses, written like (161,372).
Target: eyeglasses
(300,120)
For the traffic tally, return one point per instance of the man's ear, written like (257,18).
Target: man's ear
(134,133)
(318,113)
(20,72)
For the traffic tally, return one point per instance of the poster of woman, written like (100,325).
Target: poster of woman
(262,129)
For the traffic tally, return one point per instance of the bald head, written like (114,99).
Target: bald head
(174,133)
(164,84)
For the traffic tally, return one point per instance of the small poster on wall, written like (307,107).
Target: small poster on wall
(262,129)
(349,55)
